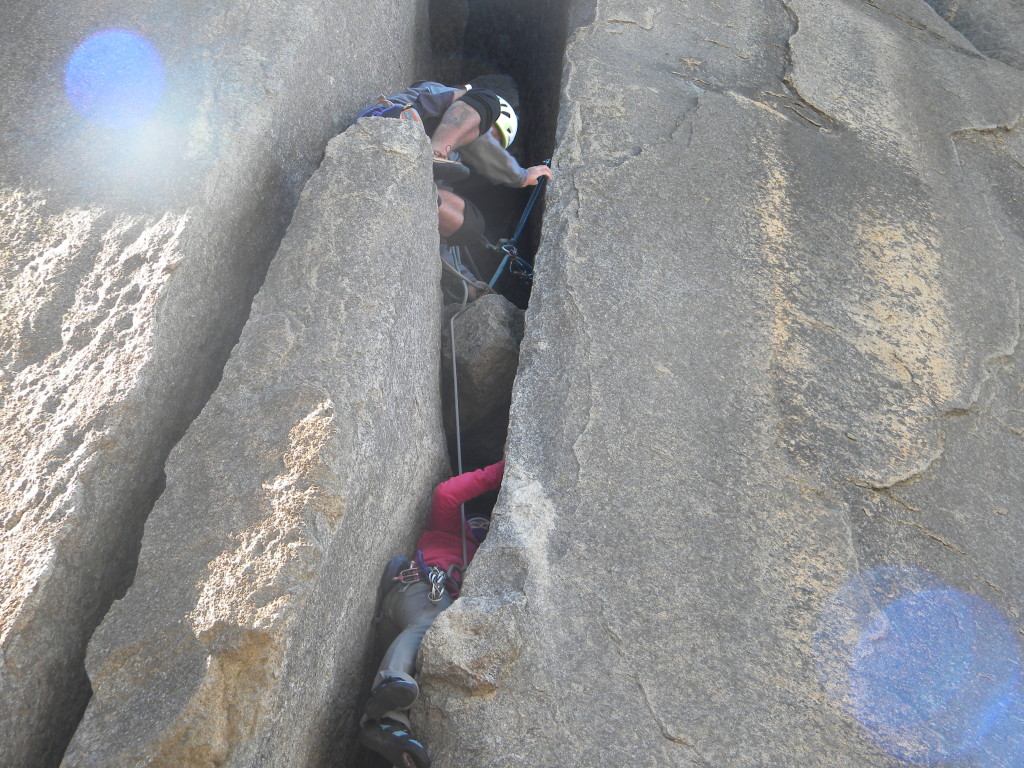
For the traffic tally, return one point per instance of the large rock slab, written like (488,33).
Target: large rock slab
(771,349)
(244,637)
(129,256)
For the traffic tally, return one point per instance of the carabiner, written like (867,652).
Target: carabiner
(437,578)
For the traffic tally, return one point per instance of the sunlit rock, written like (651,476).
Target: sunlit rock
(245,631)
(152,154)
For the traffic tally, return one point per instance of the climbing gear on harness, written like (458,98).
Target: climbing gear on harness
(507,123)
(521,268)
(510,253)
(409,575)
(518,266)
(439,579)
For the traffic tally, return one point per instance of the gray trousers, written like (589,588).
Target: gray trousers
(406,615)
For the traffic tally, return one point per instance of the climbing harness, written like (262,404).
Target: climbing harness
(439,579)
(507,247)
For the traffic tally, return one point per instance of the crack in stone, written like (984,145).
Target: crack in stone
(908,478)
(647,24)
(987,366)
(902,502)
(989,130)
(779,102)
(914,24)
(637,150)
(1012,430)
(949,413)
(665,732)
(922,390)
(788,81)
(931,535)
(668,735)
(830,121)
(792,101)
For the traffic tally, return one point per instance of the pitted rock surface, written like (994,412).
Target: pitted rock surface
(770,349)
(307,470)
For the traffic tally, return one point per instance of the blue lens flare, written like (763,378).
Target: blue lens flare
(115,78)
(932,674)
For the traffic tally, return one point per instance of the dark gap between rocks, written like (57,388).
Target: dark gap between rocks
(516,48)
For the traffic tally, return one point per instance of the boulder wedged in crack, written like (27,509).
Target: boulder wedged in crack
(242,641)
(487,337)
(128,260)
(779,274)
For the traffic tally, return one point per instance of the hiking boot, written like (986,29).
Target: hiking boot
(449,170)
(391,739)
(393,693)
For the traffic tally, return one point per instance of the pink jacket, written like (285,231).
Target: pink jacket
(441,543)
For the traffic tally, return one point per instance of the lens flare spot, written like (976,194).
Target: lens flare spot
(115,78)
(931,673)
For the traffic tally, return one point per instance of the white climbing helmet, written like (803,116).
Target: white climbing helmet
(507,123)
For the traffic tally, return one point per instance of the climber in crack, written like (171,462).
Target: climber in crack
(469,128)
(414,591)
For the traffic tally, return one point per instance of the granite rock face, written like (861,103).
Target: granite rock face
(243,638)
(769,387)
(129,255)
(762,505)
(995,27)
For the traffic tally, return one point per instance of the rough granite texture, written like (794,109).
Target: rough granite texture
(243,638)
(771,346)
(771,357)
(128,260)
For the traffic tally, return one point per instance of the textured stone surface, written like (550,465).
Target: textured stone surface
(242,640)
(771,348)
(995,27)
(770,374)
(487,337)
(128,259)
